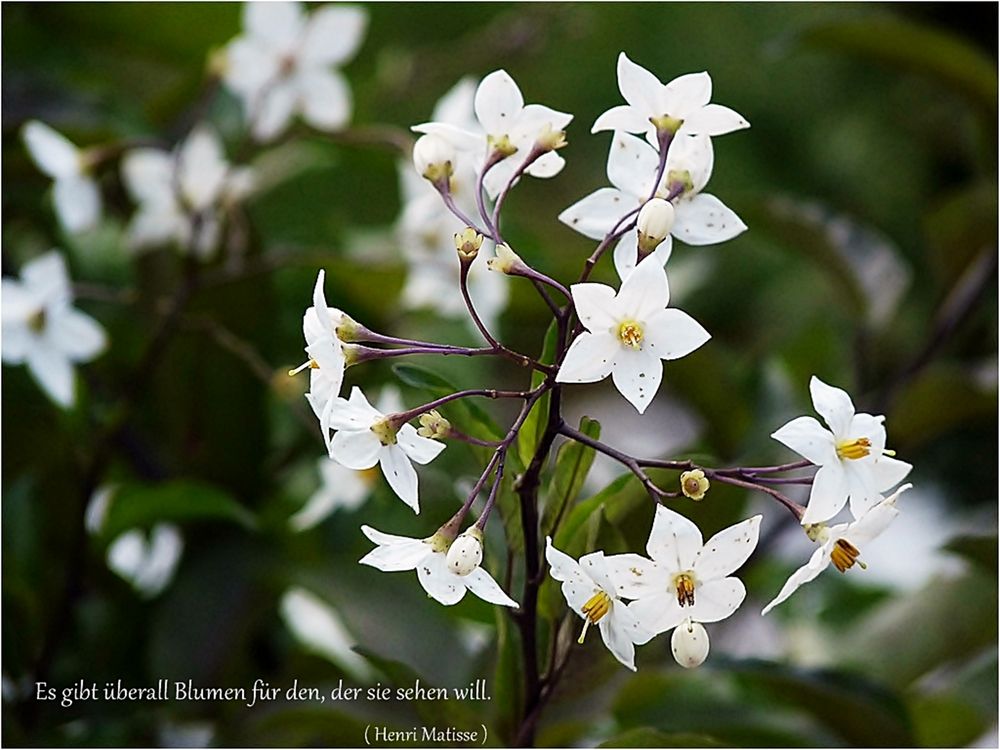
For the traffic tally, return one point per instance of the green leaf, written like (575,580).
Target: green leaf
(139,505)
(572,465)
(649,737)
(533,427)
(981,550)
(509,505)
(507,686)
(437,386)
(945,721)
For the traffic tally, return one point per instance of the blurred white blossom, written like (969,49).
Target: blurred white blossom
(75,193)
(147,563)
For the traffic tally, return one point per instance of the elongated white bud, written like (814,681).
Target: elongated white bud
(466,552)
(656,219)
(433,157)
(689,644)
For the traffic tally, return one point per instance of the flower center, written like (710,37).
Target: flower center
(630,334)
(666,124)
(501,144)
(854,449)
(36,321)
(311,364)
(596,607)
(844,555)
(384,431)
(684,584)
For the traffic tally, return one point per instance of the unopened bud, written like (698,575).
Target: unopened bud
(550,140)
(694,484)
(433,425)
(655,221)
(506,260)
(466,552)
(433,157)
(467,243)
(689,644)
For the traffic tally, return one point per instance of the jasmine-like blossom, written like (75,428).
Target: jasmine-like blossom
(75,193)
(147,563)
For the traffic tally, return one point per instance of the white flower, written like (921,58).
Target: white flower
(75,193)
(681,105)
(699,218)
(429,558)
(42,330)
(590,593)
(364,438)
(182,195)
(285,62)
(318,627)
(685,579)
(506,126)
(433,157)
(841,544)
(851,455)
(628,334)
(147,564)
(326,361)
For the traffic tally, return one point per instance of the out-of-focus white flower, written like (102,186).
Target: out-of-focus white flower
(147,564)
(42,330)
(699,218)
(685,579)
(628,334)
(430,559)
(507,129)
(841,544)
(851,455)
(285,62)
(75,192)
(317,626)
(591,594)
(182,196)
(680,107)
(364,438)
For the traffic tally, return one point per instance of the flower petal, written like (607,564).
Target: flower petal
(577,586)
(705,220)
(201,168)
(728,550)
(279,24)
(632,167)
(355,449)
(627,252)
(52,152)
(46,276)
(498,102)
(644,292)
(400,474)
(834,405)
(596,214)
(828,495)
(713,119)
(481,583)
(674,541)
(54,373)
(545,166)
(78,335)
(325,99)
(672,333)
(273,110)
(590,358)
(695,155)
(438,581)
(807,437)
(623,117)
(817,564)
(887,472)
(594,305)
(354,413)
(633,576)
(148,174)
(875,521)
(686,94)
(405,554)
(417,448)
(617,638)
(867,426)
(333,34)
(637,375)
(639,87)
(78,203)
(657,613)
(716,600)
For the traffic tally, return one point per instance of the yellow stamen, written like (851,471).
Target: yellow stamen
(854,449)
(630,334)
(844,555)
(596,607)
(685,589)
(312,364)
(36,321)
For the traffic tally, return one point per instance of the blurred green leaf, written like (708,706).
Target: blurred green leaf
(981,550)
(945,721)
(533,427)
(649,737)
(507,687)
(573,461)
(916,415)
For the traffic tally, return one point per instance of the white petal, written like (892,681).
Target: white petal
(632,167)
(457,106)
(623,117)
(279,24)
(705,220)
(250,66)
(546,165)
(674,541)
(595,215)
(625,621)
(325,99)
(78,203)
(459,138)
(875,521)
(590,358)
(695,155)
(807,437)
(148,174)
(157,225)
(828,494)
(577,586)
(817,564)
(716,600)
(320,309)
(713,119)
(394,553)
(54,154)
(420,449)
(617,638)
(354,413)
(355,449)
(594,305)
(46,276)
(400,474)
(887,472)
(834,405)
(867,426)
(54,373)
(640,88)
(498,102)
(333,34)
(77,335)
(658,612)
(644,292)
(686,94)
(633,576)
(481,583)
(861,488)
(637,375)
(18,302)
(382,539)
(728,550)
(533,120)
(274,109)
(16,341)
(672,333)
(201,167)
(438,581)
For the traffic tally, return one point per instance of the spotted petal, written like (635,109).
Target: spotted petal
(591,357)
(399,473)
(674,541)
(817,564)
(672,334)
(596,214)
(439,582)
(705,220)
(498,102)
(482,584)
(717,599)
(728,550)
(637,375)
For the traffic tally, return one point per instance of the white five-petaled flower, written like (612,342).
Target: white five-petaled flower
(182,196)
(506,125)
(75,193)
(851,455)
(840,544)
(429,558)
(147,562)
(364,438)
(685,579)
(628,334)
(681,106)
(699,218)
(42,330)
(285,62)
(591,594)
(326,361)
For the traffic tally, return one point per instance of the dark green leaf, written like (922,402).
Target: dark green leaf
(981,550)
(531,431)
(572,465)
(649,737)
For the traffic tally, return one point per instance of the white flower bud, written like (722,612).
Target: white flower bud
(466,552)
(656,219)
(689,644)
(433,157)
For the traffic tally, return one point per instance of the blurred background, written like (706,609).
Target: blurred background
(869,183)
